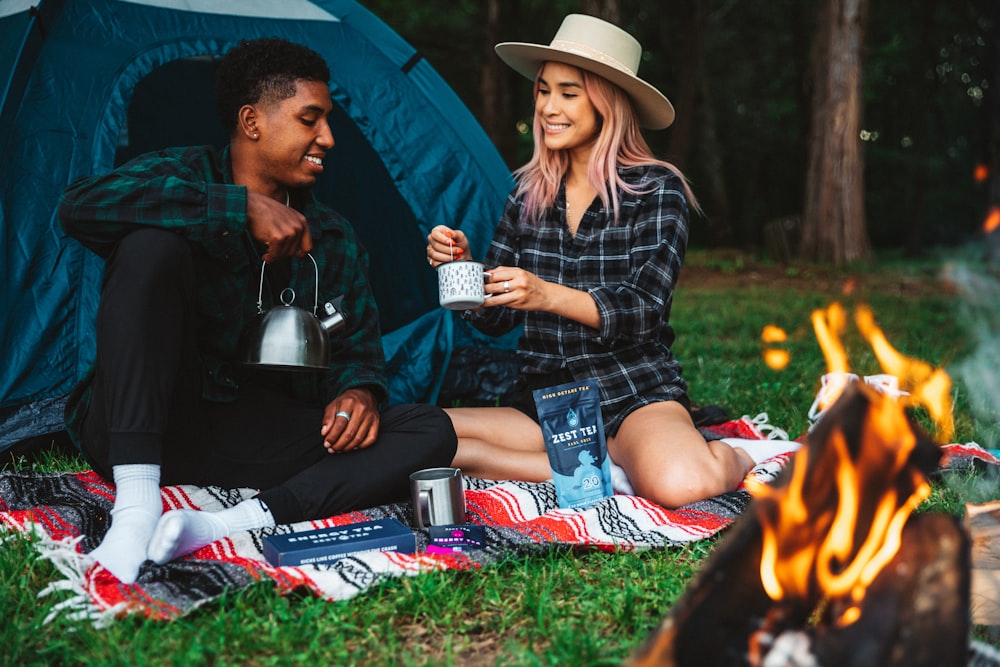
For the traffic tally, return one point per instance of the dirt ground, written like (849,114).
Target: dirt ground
(723,269)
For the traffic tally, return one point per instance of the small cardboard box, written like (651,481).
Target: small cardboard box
(449,539)
(325,545)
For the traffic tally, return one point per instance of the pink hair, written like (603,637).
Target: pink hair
(619,144)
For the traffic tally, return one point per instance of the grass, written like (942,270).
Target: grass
(569,607)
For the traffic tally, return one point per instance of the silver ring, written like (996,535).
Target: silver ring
(343,414)
(506,286)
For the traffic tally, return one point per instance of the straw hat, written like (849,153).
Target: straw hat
(599,47)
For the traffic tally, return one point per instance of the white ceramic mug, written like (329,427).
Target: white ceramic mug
(438,497)
(460,284)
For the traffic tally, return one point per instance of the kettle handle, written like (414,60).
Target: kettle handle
(260,288)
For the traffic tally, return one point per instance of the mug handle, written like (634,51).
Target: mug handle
(423,508)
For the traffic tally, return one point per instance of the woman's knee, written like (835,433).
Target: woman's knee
(673,485)
(679,475)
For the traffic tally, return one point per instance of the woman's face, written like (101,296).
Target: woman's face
(568,118)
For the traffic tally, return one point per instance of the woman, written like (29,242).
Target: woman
(586,255)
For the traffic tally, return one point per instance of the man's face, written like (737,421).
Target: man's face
(294,137)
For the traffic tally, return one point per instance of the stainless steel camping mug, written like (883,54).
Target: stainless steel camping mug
(438,497)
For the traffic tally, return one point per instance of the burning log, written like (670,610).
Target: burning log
(827,567)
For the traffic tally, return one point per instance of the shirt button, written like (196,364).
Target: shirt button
(571,326)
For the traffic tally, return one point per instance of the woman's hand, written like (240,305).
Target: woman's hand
(445,245)
(516,288)
(522,290)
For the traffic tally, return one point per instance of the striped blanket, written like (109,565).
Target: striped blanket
(67,514)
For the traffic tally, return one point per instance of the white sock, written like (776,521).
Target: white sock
(179,532)
(762,450)
(620,481)
(133,518)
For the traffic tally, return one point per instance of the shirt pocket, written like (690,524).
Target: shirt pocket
(607,258)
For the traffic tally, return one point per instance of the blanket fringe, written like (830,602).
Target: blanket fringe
(767,429)
(73,567)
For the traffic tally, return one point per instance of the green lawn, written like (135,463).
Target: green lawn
(580,608)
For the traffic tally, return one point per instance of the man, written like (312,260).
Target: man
(184,232)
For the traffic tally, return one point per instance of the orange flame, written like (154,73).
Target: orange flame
(773,334)
(829,324)
(981,173)
(776,358)
(928,387)
(992,220)
(838,520)
(837,546)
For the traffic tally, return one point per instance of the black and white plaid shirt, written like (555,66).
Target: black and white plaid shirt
(630,268)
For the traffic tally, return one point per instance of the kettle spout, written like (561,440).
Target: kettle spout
(334,316)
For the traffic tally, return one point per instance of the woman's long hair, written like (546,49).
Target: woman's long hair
(619,144)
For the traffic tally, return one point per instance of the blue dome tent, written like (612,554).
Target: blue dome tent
(87,84)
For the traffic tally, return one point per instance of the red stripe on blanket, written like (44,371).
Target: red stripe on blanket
(500,507)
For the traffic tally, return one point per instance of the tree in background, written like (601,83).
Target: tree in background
(833,220)
(609,10)
(693,142)
(496,116)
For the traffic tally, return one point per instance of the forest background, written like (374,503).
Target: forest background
(762,89)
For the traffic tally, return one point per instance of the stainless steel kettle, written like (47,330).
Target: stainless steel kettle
(287,337)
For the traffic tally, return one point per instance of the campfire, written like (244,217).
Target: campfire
(828,566)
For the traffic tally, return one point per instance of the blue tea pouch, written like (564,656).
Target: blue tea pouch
(570,417)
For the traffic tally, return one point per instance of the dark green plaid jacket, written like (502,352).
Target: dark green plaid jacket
(190,191)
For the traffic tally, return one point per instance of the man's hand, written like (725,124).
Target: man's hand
(281,229)
(350,422)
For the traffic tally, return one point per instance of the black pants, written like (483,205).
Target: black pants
(146,405)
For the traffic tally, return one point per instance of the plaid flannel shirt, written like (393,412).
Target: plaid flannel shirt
(190,191)
(630,269)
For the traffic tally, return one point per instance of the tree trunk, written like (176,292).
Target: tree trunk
(693,15)
(833,224)
(715,199)
(495,116)
(693,142)
(609,10)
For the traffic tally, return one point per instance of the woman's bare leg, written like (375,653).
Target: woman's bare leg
(668,461)
(499,443)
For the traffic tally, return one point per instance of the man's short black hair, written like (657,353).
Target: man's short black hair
(263,71)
